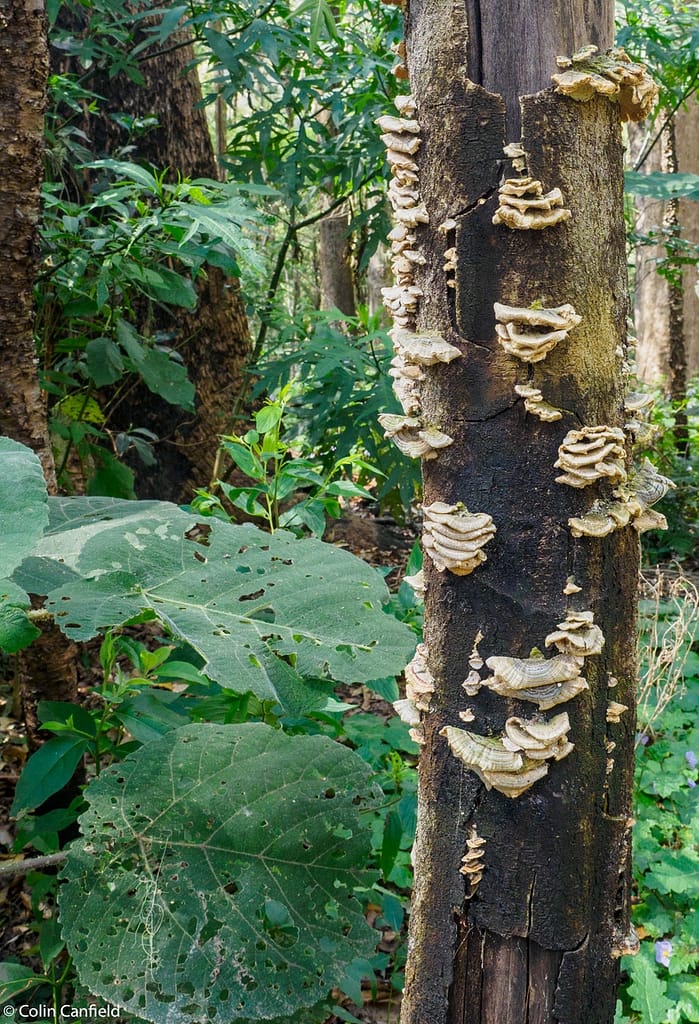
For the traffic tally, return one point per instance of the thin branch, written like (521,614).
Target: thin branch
(21,867)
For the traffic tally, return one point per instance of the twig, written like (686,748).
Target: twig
(21,867)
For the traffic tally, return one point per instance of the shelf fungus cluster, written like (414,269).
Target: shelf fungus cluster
(472,865)
(413,350)
(534,403)
(525,207)
(412,437)
(543,681)
(419,687)
(633,499)
(612,74)
(591,454)
(513,762)
(530,333)
(454,538)
(577,636)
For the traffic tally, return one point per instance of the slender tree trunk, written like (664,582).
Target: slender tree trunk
(667,312)
(214,340)
(23,77)
(336,277)
(48,668)
(528,928)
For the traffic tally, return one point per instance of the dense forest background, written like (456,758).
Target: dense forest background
(207,330)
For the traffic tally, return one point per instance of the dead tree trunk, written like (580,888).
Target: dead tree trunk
(520,908)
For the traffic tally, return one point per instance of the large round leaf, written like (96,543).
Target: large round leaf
(23,503)
(263,611)
(215,877)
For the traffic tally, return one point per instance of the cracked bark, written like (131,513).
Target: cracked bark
(535,944)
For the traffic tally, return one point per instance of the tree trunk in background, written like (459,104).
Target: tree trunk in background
(538,940)
(214,340)
(48,668)
(334,260)
(23,77)
(667,316)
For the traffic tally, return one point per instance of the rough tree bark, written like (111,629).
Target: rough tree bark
(214,340)
(23,77)
(48,668)
(538,940)
(336,278)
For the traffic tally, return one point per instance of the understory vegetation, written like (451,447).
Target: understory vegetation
(235,667)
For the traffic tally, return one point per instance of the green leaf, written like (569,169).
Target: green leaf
(23,503)
(113,478)
(50,941)
(47,771)
(392,835)
(62,712)
(163,284)
(678,872)
(16,979)
(104,362)
(648,992)
(262,611)
(16,631)
(660,185)
(161,374)
(199,889)
(267,418)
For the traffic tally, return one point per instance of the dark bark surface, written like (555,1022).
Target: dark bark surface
(534,945)
(23,76)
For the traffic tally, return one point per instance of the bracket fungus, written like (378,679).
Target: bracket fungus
(405,105)
(524,207)
(531,333)
(543,681)
(647,485)
(472,862)
(602,519)
(412,437)
(454,538)
(425,348)
(612,74)
(535,404)
(615,711)
(419,681)
(416,582)
(577,636)
(515,152)
(590,454)
(538,739)
(507,771)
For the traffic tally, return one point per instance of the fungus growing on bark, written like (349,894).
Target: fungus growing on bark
(647,486)
(603,518)
(524,207)
(417,582)
(454,538)
(405,105)
(534,403)
(612,74)
(472,683)
(615,711)
(515,152)
(507,771)
(412,437)
(530,334)
(425,348)
(577,636)
(571,587)
(591,454)
(406,711)
(447,225)
(538,739)
(419,681)
(472,862)
(397,125)
(546,682)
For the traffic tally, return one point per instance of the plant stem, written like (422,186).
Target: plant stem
(21,867)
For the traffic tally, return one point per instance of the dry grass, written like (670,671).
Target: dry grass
(669,615)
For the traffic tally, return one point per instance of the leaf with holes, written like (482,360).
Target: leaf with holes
(215,876)
(267,613)
(23,503)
